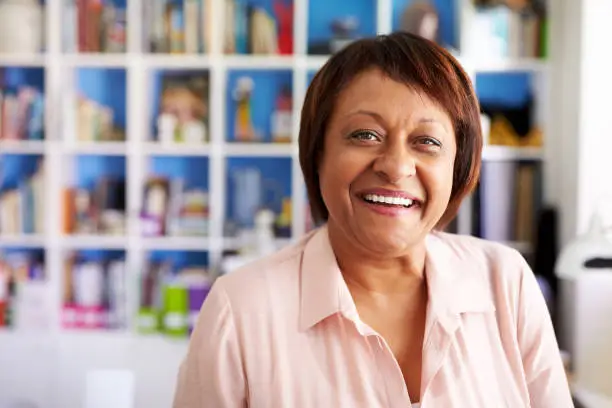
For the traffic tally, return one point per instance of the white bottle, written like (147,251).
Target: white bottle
(264,233)
(14,16)
(166,126)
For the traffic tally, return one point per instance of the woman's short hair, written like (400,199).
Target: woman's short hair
(416,62)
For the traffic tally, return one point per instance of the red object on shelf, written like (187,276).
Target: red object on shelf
(284,18)
(3,310)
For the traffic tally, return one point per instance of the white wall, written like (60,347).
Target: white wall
(51,369)
(579,159)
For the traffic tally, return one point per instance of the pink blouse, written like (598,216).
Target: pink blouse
(285,332)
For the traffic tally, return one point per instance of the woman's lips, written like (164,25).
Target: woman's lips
(389,202)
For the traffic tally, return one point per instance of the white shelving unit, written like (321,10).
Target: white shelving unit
(61,146)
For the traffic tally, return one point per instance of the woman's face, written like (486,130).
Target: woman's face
(387,168)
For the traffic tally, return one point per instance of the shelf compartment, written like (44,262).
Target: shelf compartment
(183,280)
(179,28)
(94,27)
(405,13)
(253,184)
(22,104)
(272,20)
(259,106)
(23,201)
(507,202)
(94,198)
(357,17)
(96,109)
(179,108)
(94,290)
(176,203)
(511,110)
(24,281)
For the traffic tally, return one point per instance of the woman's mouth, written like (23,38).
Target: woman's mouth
(389,201)
(391,204)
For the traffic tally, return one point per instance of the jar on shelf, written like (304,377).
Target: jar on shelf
(21,26)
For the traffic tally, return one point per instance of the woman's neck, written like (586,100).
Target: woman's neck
(378,273)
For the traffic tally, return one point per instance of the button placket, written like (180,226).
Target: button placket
(392,377)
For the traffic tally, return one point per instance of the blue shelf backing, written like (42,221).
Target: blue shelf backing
(34,253)
(15,77)
(267,87)
(91,168)
(323,13)
(14,169)
(193,170)
(253,183)
(99,255)
(107,87)
(180,259)
(509,89)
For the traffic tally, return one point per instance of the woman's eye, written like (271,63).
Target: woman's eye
(430,142)
(365,136)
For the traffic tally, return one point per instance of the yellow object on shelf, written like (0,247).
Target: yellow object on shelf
(502,133)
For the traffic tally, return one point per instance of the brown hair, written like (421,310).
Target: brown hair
(409,59)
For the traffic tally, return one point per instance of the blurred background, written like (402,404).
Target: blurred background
(149,146)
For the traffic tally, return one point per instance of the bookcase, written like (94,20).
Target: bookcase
(124,151)
(120,87)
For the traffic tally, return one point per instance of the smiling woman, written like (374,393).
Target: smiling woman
(378,307)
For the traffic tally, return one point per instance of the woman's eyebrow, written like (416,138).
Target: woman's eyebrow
(373,114)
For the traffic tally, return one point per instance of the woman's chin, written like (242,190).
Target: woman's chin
(387,241)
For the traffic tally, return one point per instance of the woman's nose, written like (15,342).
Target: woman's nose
(395,163)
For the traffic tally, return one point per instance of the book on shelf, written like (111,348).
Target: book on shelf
(507,202)
(22,209)
(250,29)
(96,26)
(95,122)
(22,114)
(177,26)
(100,210)
(503,31)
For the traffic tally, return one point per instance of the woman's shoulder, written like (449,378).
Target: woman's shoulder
(476,249)
(496,263)
(264,280)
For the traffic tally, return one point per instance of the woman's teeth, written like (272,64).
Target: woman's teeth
(375,198)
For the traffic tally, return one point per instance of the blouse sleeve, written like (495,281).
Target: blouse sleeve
(546,378)
(211,376)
